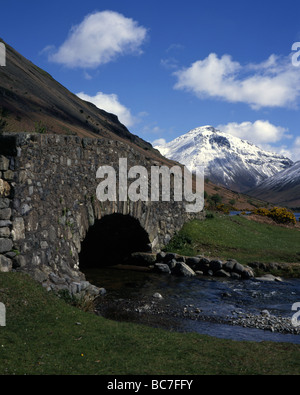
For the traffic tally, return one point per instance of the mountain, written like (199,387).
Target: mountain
(31,100)
(282,189)
(229,161)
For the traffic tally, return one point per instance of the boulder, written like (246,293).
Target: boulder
(238,268)
(182,269)
(172,264)
(215,265)
(229,265)
(221,273)
(192,261)
(248,272)
(142,259)
(162,268)
(160,256)
(169,256)
(268,277)
(202,265)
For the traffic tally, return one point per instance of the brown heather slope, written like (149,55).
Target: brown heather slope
(32,101)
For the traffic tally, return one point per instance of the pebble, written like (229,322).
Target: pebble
(157,296)
(266,321)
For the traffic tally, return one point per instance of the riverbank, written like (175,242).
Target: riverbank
(247,239)
(45,336)
(202,304)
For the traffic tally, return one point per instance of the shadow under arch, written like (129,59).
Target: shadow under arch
(111,240)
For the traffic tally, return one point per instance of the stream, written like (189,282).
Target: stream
(224,308)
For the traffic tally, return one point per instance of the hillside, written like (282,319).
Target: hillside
(282,189)
(31,100)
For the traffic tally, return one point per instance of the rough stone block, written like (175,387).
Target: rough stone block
(5,264)
(8,175)
(5,213)
(4,223)
(4,163)
(4,188)
(18,230)
(4,203)
(4,232)
(19,261)
(5,245)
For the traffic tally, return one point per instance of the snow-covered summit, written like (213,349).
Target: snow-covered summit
(228,160)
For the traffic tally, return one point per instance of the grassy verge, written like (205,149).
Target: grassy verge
(44,335)
(239,238)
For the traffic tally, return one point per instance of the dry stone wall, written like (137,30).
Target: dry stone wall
(48,202)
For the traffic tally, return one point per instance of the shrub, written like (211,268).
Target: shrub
(261,211)
(216,198)
(282,215)
(223,208)
(278,214)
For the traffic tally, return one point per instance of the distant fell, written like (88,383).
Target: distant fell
(282,189)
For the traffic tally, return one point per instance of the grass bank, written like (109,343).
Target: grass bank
(44,335)
(239,238)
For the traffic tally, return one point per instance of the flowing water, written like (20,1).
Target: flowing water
(198,304)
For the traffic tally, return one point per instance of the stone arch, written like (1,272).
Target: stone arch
(111,241)
(48,203)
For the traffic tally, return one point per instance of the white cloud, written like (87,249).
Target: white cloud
(295,151)
(259,132)
(159,143)
(272,83)
(265,135)
(99,39)
(111,104)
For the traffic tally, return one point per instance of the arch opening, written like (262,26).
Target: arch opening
(111,241)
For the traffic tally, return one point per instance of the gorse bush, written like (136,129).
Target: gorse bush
(262,211)
(278,214)
(224,209)
(282,215)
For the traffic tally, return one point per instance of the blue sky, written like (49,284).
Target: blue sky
(166,67)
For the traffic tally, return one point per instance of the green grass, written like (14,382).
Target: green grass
(44,335)
(239,238)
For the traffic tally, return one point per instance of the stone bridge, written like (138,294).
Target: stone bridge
(51,222)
